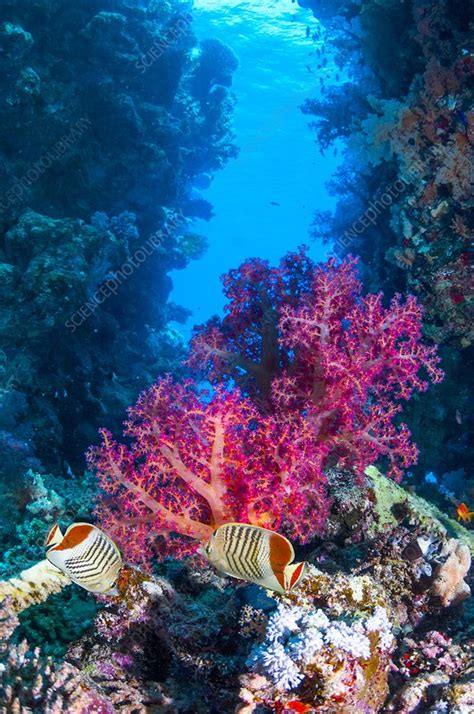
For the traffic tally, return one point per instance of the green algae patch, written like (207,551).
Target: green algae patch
(388,494)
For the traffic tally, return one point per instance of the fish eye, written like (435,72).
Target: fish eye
(209,548)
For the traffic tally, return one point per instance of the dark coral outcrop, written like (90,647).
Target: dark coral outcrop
(109,110)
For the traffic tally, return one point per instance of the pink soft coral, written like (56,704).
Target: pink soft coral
(344,363)
(324,369)
(194,463)
(246,342)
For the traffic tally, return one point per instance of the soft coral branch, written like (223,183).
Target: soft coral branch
(246,341)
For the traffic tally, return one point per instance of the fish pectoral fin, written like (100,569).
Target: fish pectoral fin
(113,591)
(271,583)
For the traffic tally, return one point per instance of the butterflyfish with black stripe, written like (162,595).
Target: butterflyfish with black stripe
(86,555)
(256,554)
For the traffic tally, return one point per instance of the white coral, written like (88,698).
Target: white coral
(379,622)
(33,586)
(305,646)
(348,639)
(294,636)
(283,622)
(278,664)
(316,618)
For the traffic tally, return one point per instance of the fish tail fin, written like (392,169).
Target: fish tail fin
(294,574)
(54,536)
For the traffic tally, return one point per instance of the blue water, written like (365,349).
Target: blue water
(279,162)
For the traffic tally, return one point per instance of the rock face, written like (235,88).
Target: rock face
(109,111)
(449,583)
(75,348)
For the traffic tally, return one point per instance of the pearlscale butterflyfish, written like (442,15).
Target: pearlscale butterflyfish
(86,555)
(256,554)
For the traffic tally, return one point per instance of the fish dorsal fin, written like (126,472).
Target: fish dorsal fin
(54,536)
(75,534)
(243,525)
(281,551)
(294,574)
(77,524)
(85,530)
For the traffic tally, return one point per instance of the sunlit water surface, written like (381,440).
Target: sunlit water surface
(279,162)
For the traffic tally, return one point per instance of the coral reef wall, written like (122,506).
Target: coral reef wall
(402,105)
(109,110)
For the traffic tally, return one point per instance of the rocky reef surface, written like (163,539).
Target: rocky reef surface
(284,441)
(374,626)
